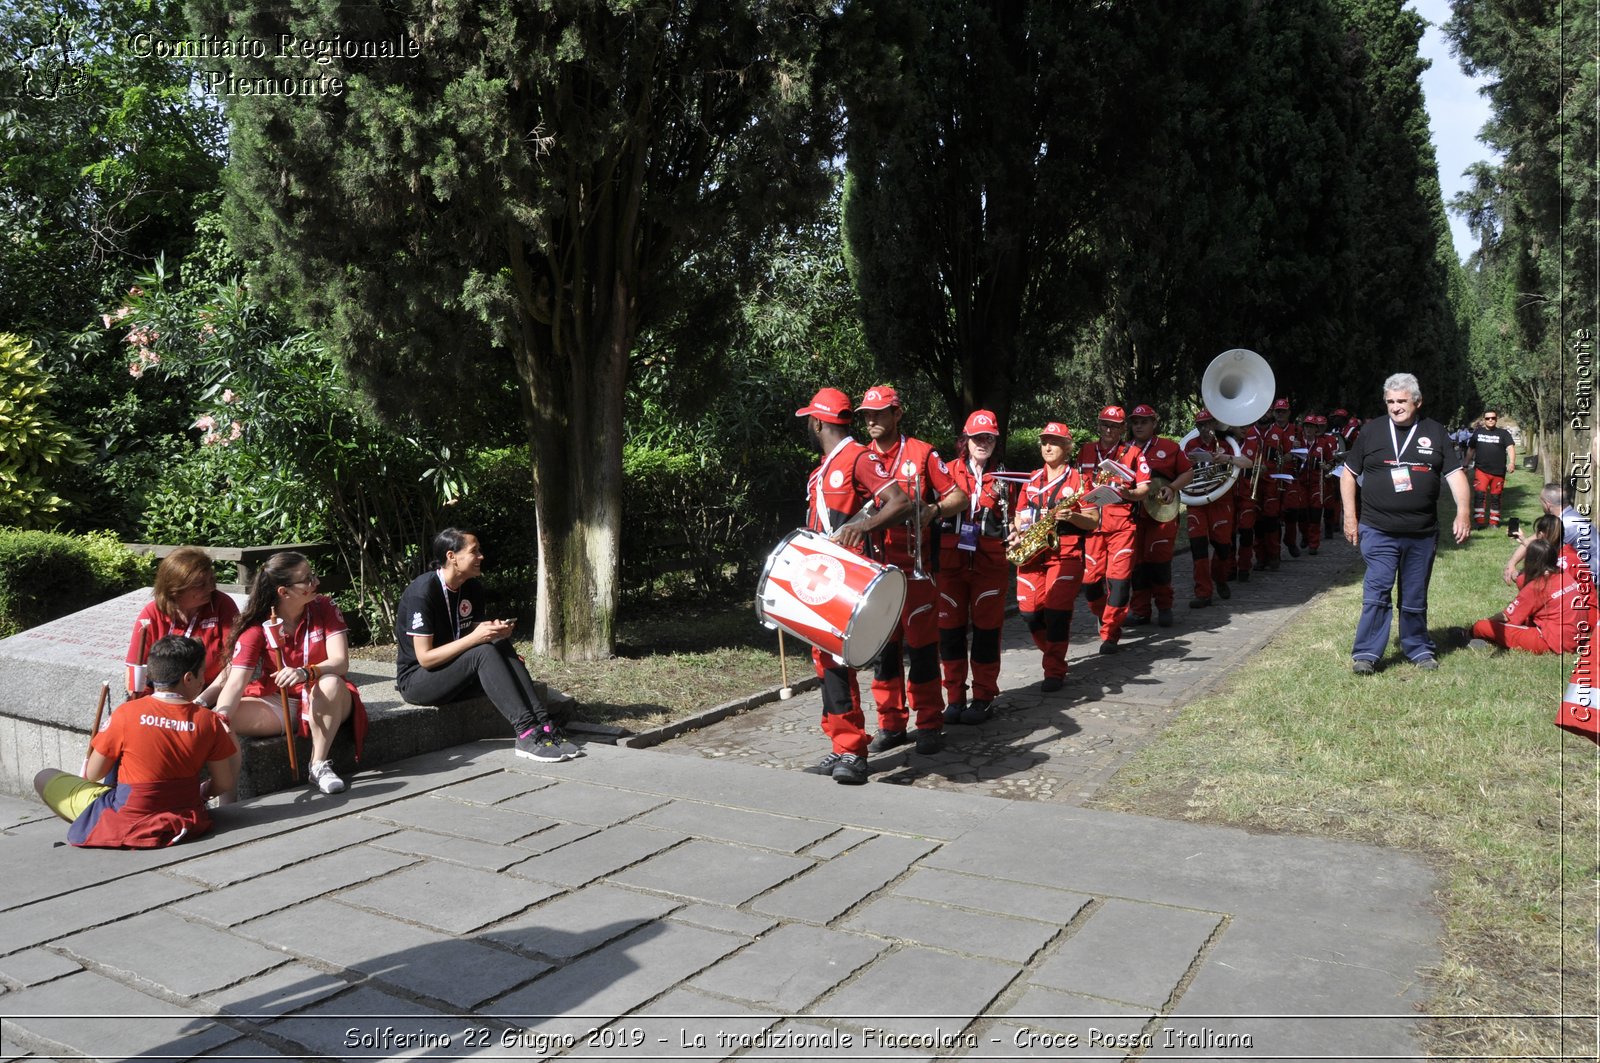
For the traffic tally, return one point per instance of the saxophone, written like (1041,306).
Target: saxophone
(1041,534)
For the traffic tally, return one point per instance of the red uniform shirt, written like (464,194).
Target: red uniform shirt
(306,644)
(1166,459)
(209,625)
(1116,515)
(936,484)
(848,478)
(1250,448)
(1278,441)
(1043,493)
(1555,604)
(984,506)
(154,740)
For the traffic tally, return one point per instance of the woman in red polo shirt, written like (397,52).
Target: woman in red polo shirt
(186,602)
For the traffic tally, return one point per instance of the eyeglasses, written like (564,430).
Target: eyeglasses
(1491,417)
(307,582)
(984,438)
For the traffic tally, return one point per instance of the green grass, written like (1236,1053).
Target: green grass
(1462,765)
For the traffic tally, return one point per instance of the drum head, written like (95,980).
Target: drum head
(875,617)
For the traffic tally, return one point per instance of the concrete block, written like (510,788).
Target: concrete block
(919,992)
(278,890)
(554,837)
(1001,937)
(492,789)
(837,842)
(463,851)
(616,979)
(160,949)
(460,973)
(737,825)
(597,855)
(791,967)
(281,850)
(497,824)
(576,802)
(833,888)
(740,872)
(33,967)
(90,1016)
(456,900)
(993,895)
(579,922)
(713,917)
(46,920)
(1129,952)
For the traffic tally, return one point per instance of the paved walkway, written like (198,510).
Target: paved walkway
(650,904)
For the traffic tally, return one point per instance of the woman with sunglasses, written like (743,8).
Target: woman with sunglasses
(315,651)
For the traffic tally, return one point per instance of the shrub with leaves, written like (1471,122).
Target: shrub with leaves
(45,575)
(35,447)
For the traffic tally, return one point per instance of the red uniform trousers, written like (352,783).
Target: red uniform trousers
(1513,636)
(1046,588)
(971,595)
(1152,570)
(842,719)
(1245,512)
(1311,509)
(1269,523)
(1108,571)
(1486,498)
(1210,529)
(918,674)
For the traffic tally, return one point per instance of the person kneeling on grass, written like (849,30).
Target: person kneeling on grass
(448,649)
(1545,616)
(149,754)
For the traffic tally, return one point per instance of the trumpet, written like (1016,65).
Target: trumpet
(913,475)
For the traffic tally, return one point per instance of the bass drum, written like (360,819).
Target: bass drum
(1215,481)
(822,594)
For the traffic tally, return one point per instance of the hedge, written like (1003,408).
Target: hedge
(45,575)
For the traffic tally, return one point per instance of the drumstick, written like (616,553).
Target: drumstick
(99,713)
(283,695)
(784,693)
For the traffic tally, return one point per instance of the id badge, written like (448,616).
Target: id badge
(1401,475)
(967,537)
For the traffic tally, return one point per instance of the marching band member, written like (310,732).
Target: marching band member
(1321,496)
(925,479)
(1278,498)
(1152,569)
(972,574)
(1108,555)
(1246,504)
(1047,583)
(849,478)
(1210,526)
(1492,455)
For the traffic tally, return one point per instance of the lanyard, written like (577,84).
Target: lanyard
(455,613)
(977,489)
(1394,437)
(1046,490)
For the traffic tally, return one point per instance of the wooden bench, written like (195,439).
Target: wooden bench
(249,558)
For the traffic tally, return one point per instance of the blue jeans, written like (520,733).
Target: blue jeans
(1410,559)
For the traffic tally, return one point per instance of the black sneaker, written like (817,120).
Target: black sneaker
(850,769)
(1052,683)
(954,711)
(1362,667)
(1199,603)
(975,713)
(929,742)
(1312,550)
(1164,618)
(1243,576)
(1223,591)
(826,765)
(887,740)
(1427,664)
(1135,620)
(1294,550)
(1110,647)
(546,744)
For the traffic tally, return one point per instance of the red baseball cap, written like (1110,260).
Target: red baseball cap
(981,423)
(1142,410)
(879,398)
(1056,428)
(829,404)
(1281,404)
(1114,414)
(1204,415)
(1340,413)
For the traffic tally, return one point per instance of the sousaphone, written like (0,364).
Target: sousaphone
(1237,387)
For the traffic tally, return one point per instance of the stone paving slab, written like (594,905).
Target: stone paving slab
(255,897)
(177,957)
(791,967)
(740,872)
(996,937)
(456,900)
(579,922)
(919,992)
(1162,943)
(92,1015)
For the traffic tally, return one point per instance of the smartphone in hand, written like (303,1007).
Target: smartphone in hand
(1513,526)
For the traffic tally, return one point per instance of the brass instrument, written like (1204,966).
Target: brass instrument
(1210,482)
(1156,509)
(1041,534)
(913,476)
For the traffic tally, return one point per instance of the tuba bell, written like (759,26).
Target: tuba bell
(1238,387)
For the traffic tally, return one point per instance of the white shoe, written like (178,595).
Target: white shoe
(322,774)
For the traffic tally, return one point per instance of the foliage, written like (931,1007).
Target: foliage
(286,451)
(34,445)
(523,202)
(45,575)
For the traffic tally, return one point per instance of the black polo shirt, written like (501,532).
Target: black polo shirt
(1427,457)
(428,608)
(1488,448)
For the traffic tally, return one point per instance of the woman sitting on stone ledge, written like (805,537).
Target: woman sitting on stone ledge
(315,654)
(188,603)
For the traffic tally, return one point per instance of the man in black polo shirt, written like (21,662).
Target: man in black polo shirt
(1492,454)
(1401,463)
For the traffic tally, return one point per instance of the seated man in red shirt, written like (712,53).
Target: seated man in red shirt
(149,753)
